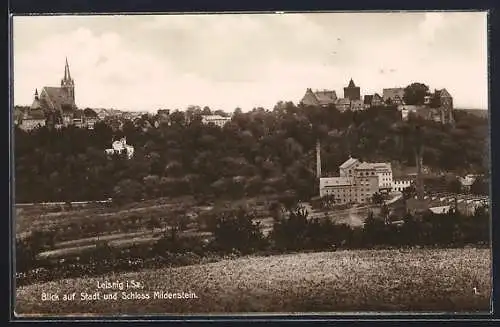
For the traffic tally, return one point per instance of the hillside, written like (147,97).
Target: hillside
(259,152)
(368,280)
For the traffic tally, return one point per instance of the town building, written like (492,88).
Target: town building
(342,189)
(217,120)
(399,184)
(437,107)
(343,104)
(90,118)
(119,147)
(352,92)
(445,105)
(374,100)
(467,181)
(358,181)
(393,96)
(356,105)
(442,203)
(32,117)
(319,98)
(384,172)
(59,102)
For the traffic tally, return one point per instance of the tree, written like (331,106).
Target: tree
(454,186)
(127,190)
(290,232)
(378,198)
(268,152)
(235,229)
(414,94)
(480,187)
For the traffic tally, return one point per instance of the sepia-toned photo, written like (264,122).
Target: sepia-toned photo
(251,163)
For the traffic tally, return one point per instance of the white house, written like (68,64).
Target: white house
(215,119)
(467,181)
(120,147)
(399,184)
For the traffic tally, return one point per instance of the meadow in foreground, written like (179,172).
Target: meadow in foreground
(361,280)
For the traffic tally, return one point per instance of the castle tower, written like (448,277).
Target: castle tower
(67,83)
(352,92)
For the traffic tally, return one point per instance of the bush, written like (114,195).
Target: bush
(235,230)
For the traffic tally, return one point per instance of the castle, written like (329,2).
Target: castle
(437,106)
(350,101)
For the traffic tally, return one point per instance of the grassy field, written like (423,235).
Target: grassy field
(128,224)
(366,280)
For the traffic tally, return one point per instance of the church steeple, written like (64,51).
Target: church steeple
(351,83)
(67,82)
(67,75)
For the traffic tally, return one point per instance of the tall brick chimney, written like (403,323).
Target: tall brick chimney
(318,159)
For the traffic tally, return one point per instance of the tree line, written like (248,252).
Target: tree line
(257,152)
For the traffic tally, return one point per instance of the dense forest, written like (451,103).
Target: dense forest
(258,152)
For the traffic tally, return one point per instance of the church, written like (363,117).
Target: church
(54,106)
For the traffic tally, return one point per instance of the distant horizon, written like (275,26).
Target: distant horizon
(248,60)
(202,106)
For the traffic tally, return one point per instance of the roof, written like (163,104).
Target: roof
(58,98)
(351,83)
(335,181)
(214,117)
(89,113)
(443,93)
(382,165)
(349,163)
(405,172)
(36,114)
(78,114)
(343,101)
(326,97)
(365,165)
(440,209)
(36,104)
(392,93)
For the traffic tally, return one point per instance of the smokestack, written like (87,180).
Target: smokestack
(419,161)
(318,159)
(420,186)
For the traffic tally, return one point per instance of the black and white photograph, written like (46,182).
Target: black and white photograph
(251,164)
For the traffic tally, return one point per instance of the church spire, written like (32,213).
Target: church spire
(67,83)
(351,83)
(67,75)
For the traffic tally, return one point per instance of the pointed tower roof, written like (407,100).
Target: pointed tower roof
(36,102)
(351,83)
(67,75)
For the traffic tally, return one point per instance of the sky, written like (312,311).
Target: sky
(225,61)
